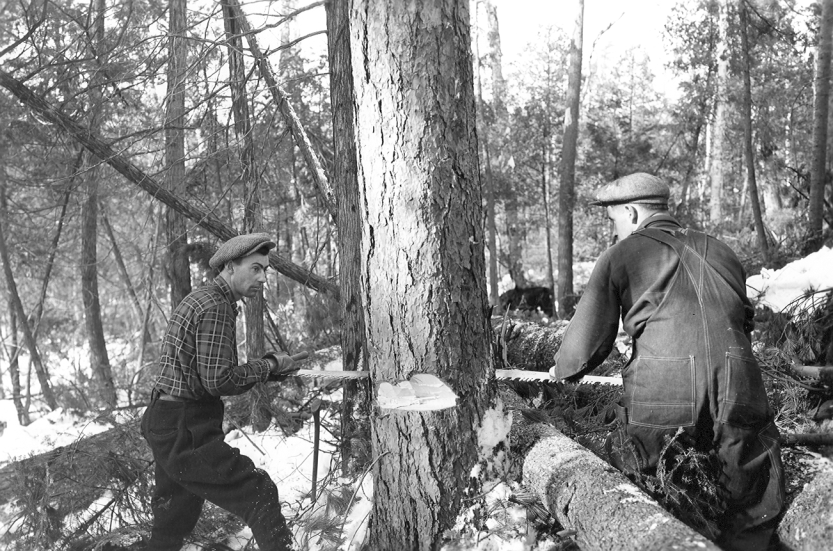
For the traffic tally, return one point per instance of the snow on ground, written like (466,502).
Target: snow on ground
(288,460)
(776,289)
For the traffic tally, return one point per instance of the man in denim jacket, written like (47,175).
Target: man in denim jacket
(682,298)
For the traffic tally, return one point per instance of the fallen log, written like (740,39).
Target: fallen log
(807,439)
(531,346)
(77,471)
(607,511)
(526,345)
(808,524)
(823,373)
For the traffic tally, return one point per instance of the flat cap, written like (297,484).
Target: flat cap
(634,188)
(240,246)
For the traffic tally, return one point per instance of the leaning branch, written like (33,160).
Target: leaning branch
(298,132)
(133,173)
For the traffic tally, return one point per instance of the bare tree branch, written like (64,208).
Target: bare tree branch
(134,174)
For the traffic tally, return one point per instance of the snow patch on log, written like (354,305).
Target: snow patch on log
(423,392)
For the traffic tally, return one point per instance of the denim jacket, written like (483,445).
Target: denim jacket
(681,297)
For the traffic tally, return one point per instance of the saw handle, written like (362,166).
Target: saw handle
(295,358)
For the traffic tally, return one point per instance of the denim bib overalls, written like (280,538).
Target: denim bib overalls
(693,367)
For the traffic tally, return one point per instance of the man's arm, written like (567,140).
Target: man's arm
(592,331)
(217,358)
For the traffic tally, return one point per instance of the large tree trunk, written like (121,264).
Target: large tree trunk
(134,174)
(342,99)
(422,244)
(566,197)
(717,171)
(821,105)
(178,266)
(749,150)
(608,511)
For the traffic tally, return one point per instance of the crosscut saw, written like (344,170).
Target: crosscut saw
(515,375)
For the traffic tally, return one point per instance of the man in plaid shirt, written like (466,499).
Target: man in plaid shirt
(183,423)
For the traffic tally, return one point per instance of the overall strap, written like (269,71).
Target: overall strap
(681,246)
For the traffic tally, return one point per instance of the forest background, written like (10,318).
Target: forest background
(727,110)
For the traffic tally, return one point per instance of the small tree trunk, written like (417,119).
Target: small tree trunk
(17,306)
(719,128)
(821,106)
(749,151)
(259,397)
(99,360)
(14,370)
(122,269)
(342,98)
(178,265)
(566,197)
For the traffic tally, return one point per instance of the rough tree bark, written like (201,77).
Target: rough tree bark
(423,275)
(821,106)
(566,196)
(137,176)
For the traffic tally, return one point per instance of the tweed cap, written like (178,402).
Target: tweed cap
(635,188)
(240,246)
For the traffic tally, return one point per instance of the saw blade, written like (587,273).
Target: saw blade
(521,375)
(518,375)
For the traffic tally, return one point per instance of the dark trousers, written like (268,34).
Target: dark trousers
(751,482)
(194,464)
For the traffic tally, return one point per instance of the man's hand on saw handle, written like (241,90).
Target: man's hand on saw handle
(283,365)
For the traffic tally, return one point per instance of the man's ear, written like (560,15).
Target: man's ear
(634,213)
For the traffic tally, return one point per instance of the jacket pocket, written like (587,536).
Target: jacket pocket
(663,392)
(744,399)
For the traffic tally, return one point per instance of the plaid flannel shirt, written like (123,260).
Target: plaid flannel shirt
(199,351)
